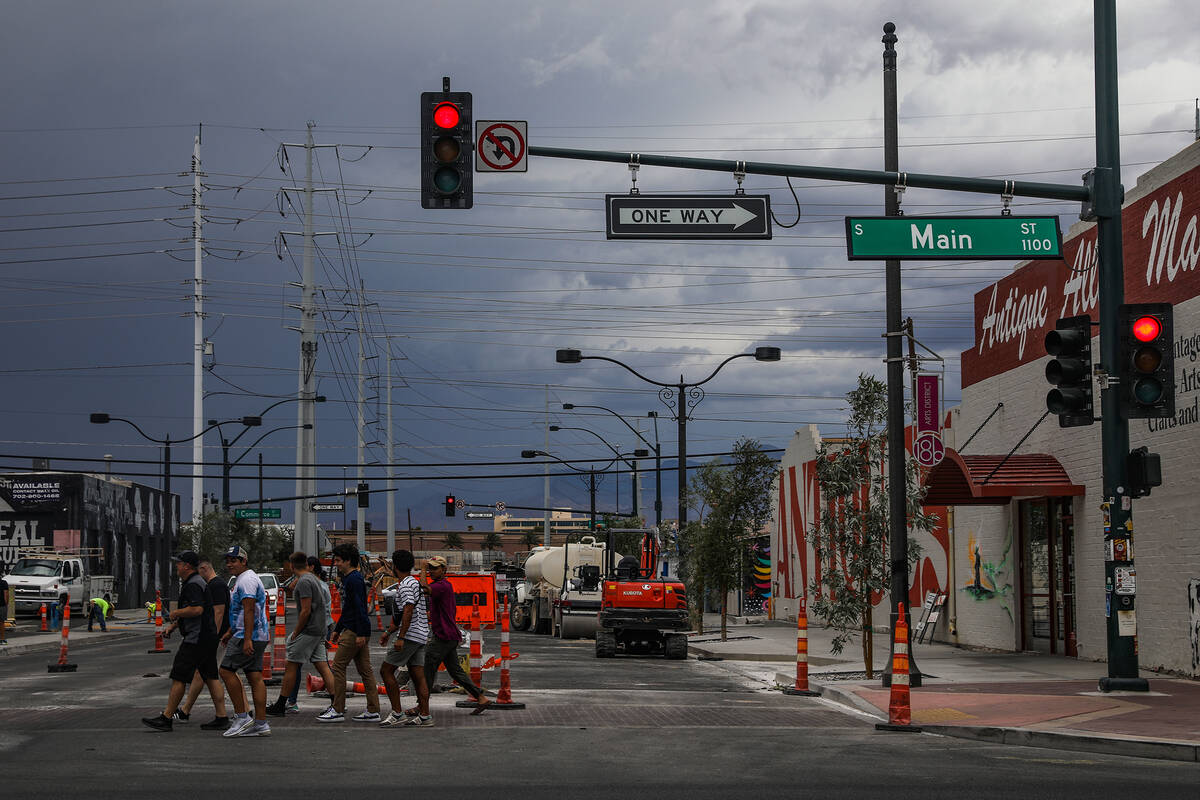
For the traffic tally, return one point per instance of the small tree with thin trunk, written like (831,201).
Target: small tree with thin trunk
(453,540)
(850,538)
(532,538)
(491,541)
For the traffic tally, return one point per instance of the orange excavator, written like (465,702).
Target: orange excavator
(641,613)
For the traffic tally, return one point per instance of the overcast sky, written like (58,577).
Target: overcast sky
(102,102)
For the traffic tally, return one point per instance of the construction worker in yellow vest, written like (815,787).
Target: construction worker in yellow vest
(99,608)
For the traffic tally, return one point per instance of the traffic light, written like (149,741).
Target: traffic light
(450,504)
(1071,371)
(1143,471)
(1146,368)
(364,495)
(447,149)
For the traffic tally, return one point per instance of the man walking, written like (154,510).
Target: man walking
(306,644)
(411,626)
(353,633)
(443,645)
(3,608)
(246,641)
(218,597)
(197,652)
(97,611)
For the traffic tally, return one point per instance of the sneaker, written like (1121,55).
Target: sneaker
(238,724)
(329,715)
(367,716)
(419,721)
(393,720)
(159,723)
(216,724)
(277,709)
(180,716)
(259,728)
(293,708)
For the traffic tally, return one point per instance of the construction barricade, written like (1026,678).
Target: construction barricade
(279,643)
(504,696)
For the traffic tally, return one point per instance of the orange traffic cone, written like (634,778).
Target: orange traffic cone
(899,708)
(279,661)
(62,665)
(44,627)
(801,687)
(158,626)
(504,695)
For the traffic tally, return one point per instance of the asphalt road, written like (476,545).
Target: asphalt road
(629,727)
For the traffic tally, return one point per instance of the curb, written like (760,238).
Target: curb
(1165,750)
(34,647)
(704,652)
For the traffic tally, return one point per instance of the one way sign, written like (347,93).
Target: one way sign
(688,216)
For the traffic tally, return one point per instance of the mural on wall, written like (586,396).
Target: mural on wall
(758,578)
(990,580)
(1194,620)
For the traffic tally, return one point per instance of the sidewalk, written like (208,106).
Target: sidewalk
(26,638)
(1013,698)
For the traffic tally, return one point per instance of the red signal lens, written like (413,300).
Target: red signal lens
(1146,329)
(446,115)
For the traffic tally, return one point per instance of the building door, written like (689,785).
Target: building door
(1047,562)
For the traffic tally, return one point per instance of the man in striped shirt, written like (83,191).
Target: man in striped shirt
(410,623)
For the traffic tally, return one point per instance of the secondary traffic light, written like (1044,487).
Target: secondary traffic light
(450,505)
(1143,471)
(1146,370)
(1071,371)
(447,149)
(364,495)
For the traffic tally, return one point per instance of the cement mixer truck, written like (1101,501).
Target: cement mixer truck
(561,592)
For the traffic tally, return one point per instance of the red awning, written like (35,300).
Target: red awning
(994,480)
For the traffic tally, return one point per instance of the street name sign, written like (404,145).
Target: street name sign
(687,216)
(327,507)
(480,515)
(252,513)
(500,145)
(952,238)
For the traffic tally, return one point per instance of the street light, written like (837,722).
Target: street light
(657,453)
(680,398)
(632,464)
(590,472)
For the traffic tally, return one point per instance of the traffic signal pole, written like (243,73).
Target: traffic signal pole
(1101,196)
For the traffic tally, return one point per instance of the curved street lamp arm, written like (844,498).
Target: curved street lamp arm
(626,423)
(616,452)
(251,446)
(570,465)
(631,369)
(135,426)
(713,374)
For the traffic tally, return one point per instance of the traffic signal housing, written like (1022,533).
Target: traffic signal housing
(1143,471)
(450,505)
(1070,371)
(447,149)
(364,495)
(1146,370)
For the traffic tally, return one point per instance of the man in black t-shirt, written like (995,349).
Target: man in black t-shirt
(197,652)
(218,598)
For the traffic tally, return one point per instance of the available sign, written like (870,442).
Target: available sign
(952,238)
(253,513)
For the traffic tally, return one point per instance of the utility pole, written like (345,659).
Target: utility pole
(391,481)
(306,451)
(546,479)
(360,523)
(197,334)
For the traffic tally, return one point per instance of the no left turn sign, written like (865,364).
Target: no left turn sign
(500,146)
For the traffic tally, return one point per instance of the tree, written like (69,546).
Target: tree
(850,538)
(737,495)
(491,541)
(215,532)
(532,538)
(453,540)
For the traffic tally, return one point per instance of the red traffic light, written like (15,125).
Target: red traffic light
(446,115)
(1146,329)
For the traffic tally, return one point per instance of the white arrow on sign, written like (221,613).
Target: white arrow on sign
(737,216)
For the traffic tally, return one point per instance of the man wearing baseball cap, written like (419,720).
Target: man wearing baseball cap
(442,647)
(246,640)
(198,650)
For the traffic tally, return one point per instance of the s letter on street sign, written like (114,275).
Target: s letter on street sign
(952,238)
(501,146)
(687,216)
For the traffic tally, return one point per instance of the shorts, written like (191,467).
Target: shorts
(306,647)
(192,658)
(411,653)
(236,660)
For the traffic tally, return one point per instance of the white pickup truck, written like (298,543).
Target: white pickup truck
(47,576)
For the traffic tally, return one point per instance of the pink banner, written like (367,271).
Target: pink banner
(927,404)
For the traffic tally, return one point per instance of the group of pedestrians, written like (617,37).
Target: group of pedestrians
(208,615)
